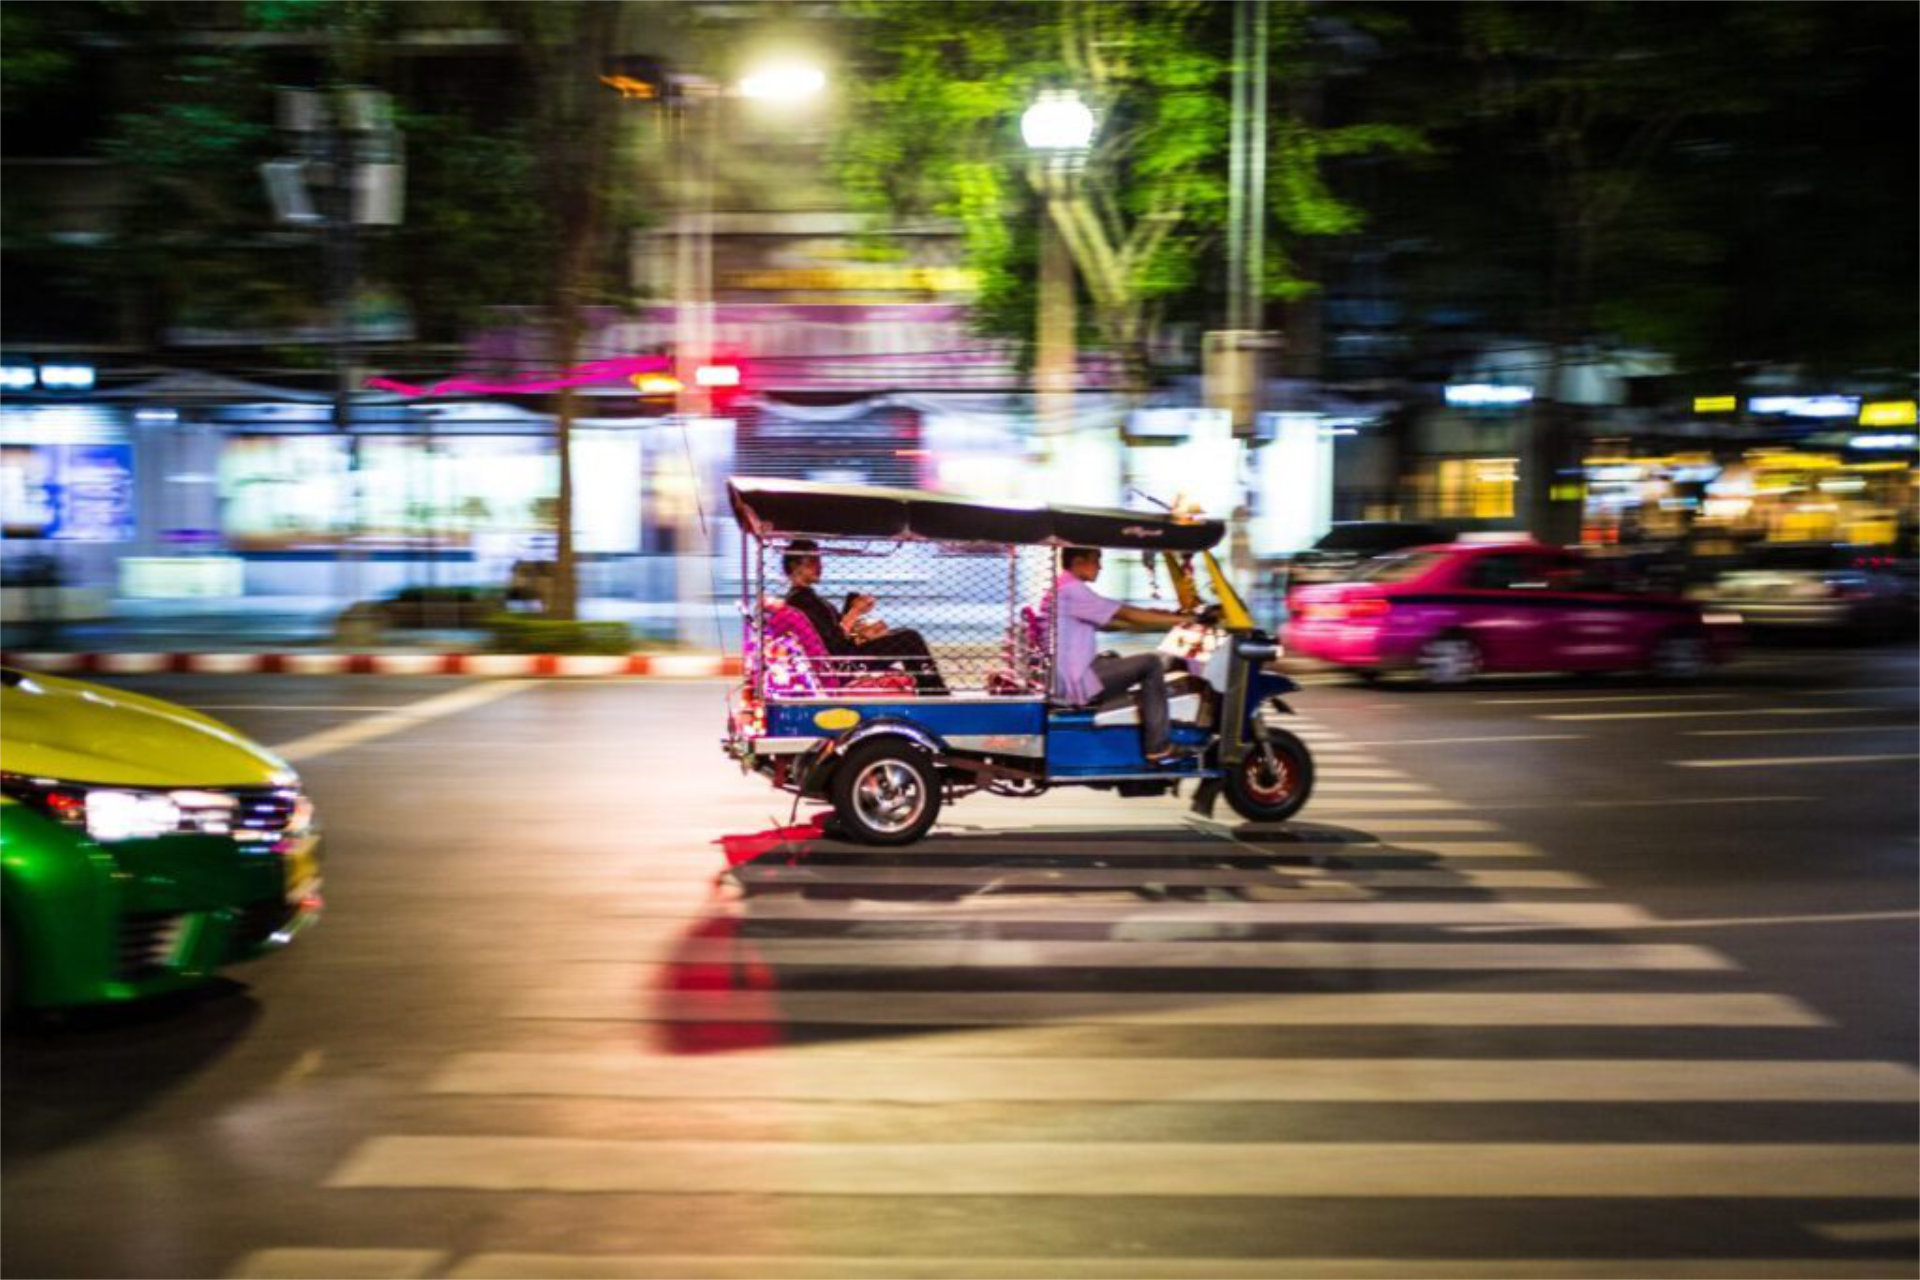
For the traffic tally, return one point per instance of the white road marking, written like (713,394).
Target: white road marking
(338,1264)
(1370,804)
(1273,877)
(1559,915)
(396,720)
(1654,804)
(1589,698)
(1882,1231)
(1763,762)
(800,1076)
(1402,826)
(984,846)
(1170,1009)
(1106,1169)
(539,1266)
(1730,922)
(1445,742)
(288,706)
(1466,849)
(1151,953)
(1342,772)
(1802,730)
(1694,715)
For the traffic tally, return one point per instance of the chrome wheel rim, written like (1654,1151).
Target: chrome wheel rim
(1269,785)
(889,796)
(1448,661)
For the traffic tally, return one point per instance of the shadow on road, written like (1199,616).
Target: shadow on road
(66,1075)
(810,938)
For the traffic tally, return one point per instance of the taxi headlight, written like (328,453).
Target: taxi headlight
(110,814)
(130,815)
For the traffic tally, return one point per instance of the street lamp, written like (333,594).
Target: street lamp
(1058,121)
(692,123)
(785,82)
(1058,128)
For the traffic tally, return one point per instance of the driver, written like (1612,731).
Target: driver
(1080,677)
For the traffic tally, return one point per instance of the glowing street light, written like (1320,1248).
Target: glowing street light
(1058,121)
(784,82)
(1058,128)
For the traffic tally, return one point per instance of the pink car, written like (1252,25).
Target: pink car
(1450,612)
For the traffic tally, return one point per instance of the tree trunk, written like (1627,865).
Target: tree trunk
(1552,486)
(578,150)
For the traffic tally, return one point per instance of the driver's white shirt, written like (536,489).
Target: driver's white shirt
(1081,613)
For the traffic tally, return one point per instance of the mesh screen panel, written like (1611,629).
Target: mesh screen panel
(959,620)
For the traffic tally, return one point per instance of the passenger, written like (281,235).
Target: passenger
(850,633)
(1080,677)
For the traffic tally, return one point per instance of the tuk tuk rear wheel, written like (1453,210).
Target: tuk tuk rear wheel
(886,792)
(1263,790)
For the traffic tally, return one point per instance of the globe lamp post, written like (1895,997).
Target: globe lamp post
(1058,130)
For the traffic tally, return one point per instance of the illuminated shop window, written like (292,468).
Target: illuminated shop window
(1479,488)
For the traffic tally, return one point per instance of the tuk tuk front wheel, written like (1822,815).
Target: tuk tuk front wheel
(1273,781)
(886,792)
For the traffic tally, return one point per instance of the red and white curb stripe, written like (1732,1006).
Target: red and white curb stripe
(667,665)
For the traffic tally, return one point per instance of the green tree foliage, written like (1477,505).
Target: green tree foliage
(934,131)
(1691,178)
(193,236)
(186,96)
(1727,183)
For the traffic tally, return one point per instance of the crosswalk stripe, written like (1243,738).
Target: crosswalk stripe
(1448,742)
(1102,1169)
(1764,762)
(540,1266)
(984,848)
(1398,826)
(799,1076)
(1357,850)
(1566,915)
(1381,804)
(1343,772)
(339,1264)
(1067,878)
(1587,698)
(1471,848)
(1167,1008)
(1000,953)
(1876,1231)
(1694,715)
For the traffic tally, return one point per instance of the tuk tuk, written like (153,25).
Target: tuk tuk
(962,700)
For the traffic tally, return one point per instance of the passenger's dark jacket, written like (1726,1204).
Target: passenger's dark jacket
(825,621)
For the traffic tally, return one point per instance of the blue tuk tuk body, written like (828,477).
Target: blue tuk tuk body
(818,719)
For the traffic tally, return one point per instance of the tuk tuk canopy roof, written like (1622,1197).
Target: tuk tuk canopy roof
(775,508)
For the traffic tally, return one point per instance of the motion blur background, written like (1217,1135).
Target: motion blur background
(1635,276)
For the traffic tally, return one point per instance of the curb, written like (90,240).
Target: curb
(656,665)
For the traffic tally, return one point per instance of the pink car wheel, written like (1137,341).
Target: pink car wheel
(1445,661)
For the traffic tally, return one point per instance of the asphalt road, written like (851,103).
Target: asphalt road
(1553,978)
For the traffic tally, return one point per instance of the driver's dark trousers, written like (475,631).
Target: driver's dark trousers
(1147,672)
